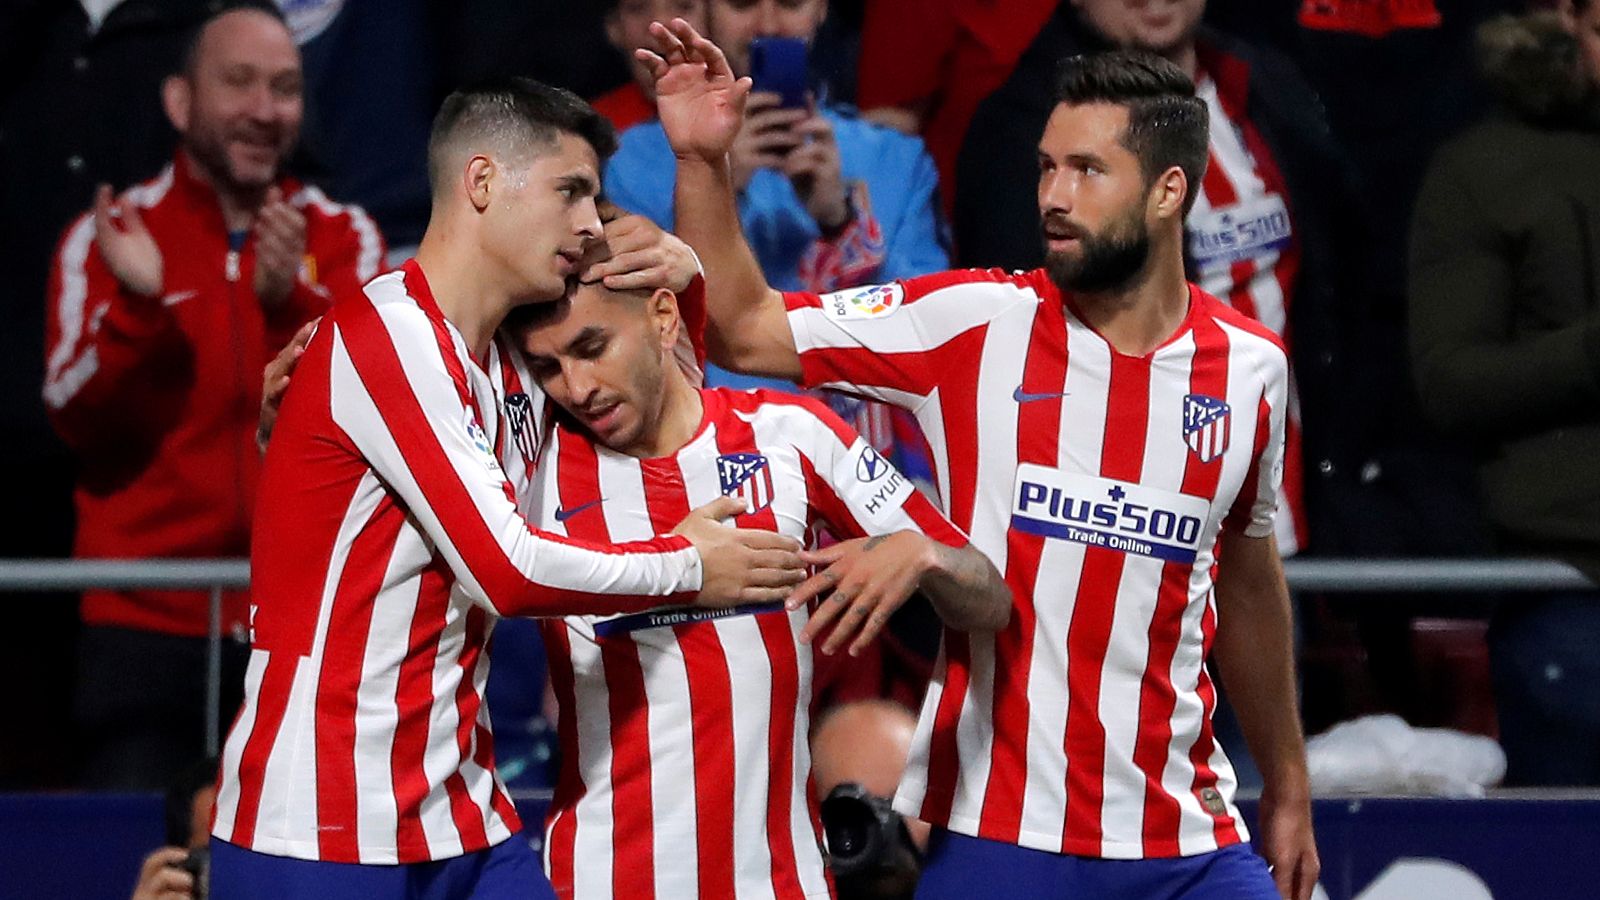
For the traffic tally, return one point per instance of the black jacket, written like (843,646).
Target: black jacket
(1505,304)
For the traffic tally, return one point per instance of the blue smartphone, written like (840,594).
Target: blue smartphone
(778,65)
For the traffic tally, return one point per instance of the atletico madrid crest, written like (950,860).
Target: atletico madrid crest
(747,477)
(1205,426)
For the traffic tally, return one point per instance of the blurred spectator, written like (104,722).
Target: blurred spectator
(627,29)
(1505,337)
(1272,232)
(78,89)
(858,753)
(178,870)
(830,201)
(374,75)
(927,64)
(164,306)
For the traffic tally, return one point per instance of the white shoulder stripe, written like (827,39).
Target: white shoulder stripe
(371,253)
(74,360)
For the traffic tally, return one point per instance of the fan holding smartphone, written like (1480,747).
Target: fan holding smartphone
(830,201)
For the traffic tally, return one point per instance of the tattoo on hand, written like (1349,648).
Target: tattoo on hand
(874,541)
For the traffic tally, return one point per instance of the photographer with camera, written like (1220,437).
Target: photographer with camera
(178,870)
(858,752)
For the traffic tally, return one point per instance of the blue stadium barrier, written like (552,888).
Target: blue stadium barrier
(1528,847)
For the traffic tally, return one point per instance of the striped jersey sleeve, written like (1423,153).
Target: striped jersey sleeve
(854,489)
(410,417)
(895,342)
(1254,512)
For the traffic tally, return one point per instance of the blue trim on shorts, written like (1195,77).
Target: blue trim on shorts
(960,867)
(509,870)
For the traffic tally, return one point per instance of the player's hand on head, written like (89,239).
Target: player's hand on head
(638,254)
(280,232)
(126,245)
(698,99)
(275,381)
(161,879)
(740,565)
(864,581)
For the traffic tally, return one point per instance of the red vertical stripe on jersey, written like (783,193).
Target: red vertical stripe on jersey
(1224,830)
(1038,442)
(958,404)
(735,435)
(1089,632)
(710,699)
(570,789)
(1208,376)
(276,683)
(343,661)
(468,817)
(414,706)
(632,835)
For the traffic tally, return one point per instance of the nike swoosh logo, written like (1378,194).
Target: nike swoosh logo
(176,297)
(1022,396)
(564,514)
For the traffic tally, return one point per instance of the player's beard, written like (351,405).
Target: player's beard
(1106,260)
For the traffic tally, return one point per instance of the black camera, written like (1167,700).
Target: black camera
(869,849)
(198,865)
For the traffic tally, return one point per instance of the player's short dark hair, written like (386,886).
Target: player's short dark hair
(521,109)
(1167,124)
(214,11)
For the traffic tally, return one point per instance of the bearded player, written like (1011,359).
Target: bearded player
(1112,438)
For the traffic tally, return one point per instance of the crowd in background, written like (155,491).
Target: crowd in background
(1406,191)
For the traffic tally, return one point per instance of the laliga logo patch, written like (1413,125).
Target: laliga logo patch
(747,477)
(480,441)
(1205,426)
(865,303)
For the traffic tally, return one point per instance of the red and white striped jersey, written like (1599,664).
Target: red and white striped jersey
(684,760)
(1244,250)
(1098,483)
(387,542)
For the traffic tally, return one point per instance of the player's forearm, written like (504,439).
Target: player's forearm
(1254,653)
(966,590)
(707,218)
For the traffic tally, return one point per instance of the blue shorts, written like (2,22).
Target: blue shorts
(509,870)
(959,867)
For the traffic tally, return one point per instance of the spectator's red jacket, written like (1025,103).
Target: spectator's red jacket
(159,396)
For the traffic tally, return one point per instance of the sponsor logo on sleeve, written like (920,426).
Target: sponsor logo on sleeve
(865,303)
(1103,512)
(880,488)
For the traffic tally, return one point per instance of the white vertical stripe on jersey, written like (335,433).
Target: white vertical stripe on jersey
(808,859)
(666,687)
(930,417)
(289,808)
(591,845)
(442,756)
(1121,691)
(377,713)
(233,751)
(750,695)
(998,375)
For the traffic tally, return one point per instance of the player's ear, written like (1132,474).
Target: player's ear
(1168,192)
(477,177)
(665,321)
(177,98)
